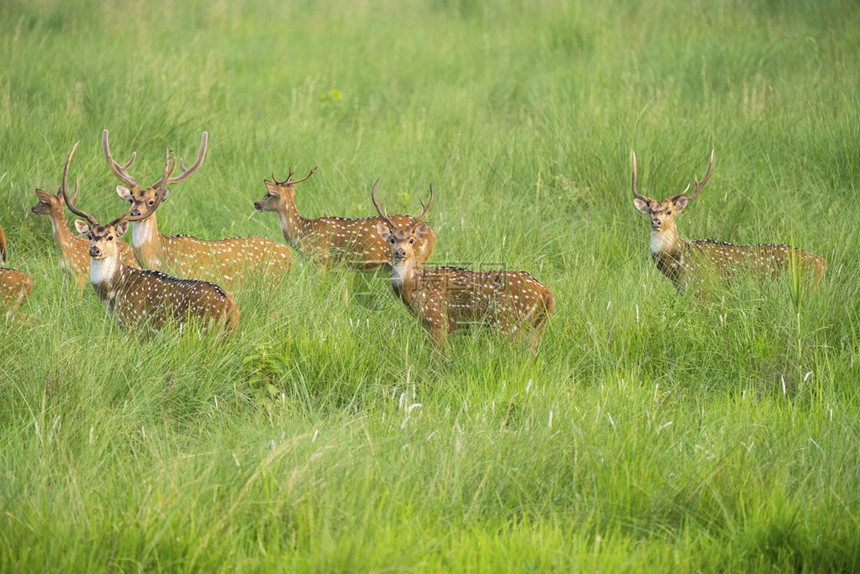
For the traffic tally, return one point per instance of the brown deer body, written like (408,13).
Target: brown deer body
(448,299)
(228,261)
(352,242)
(15,286)
(683,261)
(141,296)
(74,250)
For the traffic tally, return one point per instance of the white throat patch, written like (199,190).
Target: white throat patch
(141,232)
(102,270)
(662,240)
(399,273)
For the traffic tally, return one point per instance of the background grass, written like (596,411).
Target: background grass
(651,432)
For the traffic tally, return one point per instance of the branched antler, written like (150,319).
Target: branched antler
(699,185)
(120,171)
(423,213)
(290,179)
(382,213)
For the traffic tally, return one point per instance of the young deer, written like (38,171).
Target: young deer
(136,296)
(74,250)
(353,242)
(229,261)
(448,299)
(15,286)
(681,260)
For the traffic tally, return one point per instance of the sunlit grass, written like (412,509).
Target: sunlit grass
(651,432)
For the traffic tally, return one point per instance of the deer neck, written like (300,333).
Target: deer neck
(146,241)
(293,225)
(107,276)
(405,279)
(62,234)
(666,241)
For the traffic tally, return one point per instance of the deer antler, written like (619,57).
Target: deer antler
(69,202)
(169,166)
(61,191)
(699,185)
(186,172)
(118,170)
(290,177)
(379,208)
(636,195)
(423,213)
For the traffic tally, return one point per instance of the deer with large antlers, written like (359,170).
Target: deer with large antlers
(352,242)
(681,260)
(15,286)
(143,296)
(228,261)
(74,250)
(449,299)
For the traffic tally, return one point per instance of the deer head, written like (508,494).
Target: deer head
(103,238)
(52,204)
(280,193)
(402,240)
(662,213)
(143,200)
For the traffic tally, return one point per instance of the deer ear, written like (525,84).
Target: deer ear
(383,231)
(82,227)
(271,186)
(642,205)
(124,193)
(121,228)
(421,230)
(43,197)
(680,204)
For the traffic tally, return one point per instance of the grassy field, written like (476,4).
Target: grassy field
(650,433)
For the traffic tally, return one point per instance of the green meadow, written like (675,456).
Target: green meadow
(651,432)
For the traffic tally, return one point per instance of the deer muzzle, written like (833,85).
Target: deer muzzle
(399,253)
(95,252)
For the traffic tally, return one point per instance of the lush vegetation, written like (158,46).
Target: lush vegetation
(651,432)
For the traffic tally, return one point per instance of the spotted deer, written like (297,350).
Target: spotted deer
(228,261)
(448,299)
(352,242)
(682,261)
(15,286)
(74,250)
(143,296)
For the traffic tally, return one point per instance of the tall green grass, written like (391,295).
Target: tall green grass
(650,432)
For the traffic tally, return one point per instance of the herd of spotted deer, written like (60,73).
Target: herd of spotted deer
(134,285)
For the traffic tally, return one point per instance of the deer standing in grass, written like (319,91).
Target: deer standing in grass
(74,250)
(228,261)
(143,296)
(353,242)
(682,261)
(448,299)
(15,286)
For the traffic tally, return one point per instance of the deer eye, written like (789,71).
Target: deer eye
(110,237)
(392,241)
(411,241)
(151,201)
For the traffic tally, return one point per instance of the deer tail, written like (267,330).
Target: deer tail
(547,307)
(2,246)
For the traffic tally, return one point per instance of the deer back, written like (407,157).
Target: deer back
(144,295)
(456,299)
(762,260)
(15,286)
